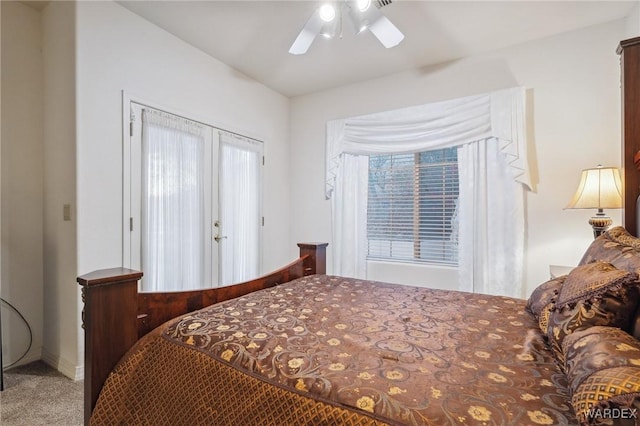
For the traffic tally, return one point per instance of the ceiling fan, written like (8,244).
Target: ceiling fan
(327,21)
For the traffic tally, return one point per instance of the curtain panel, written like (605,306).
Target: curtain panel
(490,220)
(172,202)
(240,208)
(498,116)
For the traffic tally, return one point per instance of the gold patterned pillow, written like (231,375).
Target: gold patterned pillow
(603,373)
(598,348)
(591,280)
(609,394)
(621,236)
(592,294)
(616,246)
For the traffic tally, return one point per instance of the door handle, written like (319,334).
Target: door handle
(218,237)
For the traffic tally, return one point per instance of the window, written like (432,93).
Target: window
(412,207)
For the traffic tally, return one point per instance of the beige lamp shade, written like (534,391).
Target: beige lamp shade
(599,188)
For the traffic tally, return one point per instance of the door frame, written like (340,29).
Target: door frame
(129,98)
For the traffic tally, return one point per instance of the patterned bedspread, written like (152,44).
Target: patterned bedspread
(330,350)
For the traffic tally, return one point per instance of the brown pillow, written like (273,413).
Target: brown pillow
(592,280)
(542,301)
(616,246)
(620,248)
(603,372)
(592,294)
(597,348)
(543,295)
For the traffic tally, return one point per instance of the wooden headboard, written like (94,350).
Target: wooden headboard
(629,51)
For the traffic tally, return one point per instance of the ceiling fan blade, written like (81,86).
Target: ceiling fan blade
(384,30)
(308,33)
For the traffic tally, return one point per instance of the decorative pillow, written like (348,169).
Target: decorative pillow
(595,349)
(544,294)
(605,390)
(616,246)
(542,301)
(603,371)
(592,294)
(589,281)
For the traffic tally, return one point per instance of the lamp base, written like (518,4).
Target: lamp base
(600,224)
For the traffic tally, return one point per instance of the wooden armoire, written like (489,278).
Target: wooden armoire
(629,51)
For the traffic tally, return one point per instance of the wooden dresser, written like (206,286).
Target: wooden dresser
(629,51)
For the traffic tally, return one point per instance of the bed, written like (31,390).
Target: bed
(301,347)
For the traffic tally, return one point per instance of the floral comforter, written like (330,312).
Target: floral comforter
(330,350)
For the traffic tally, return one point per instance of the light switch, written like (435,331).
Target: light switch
(66,212)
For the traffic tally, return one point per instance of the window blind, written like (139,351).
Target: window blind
(411,212)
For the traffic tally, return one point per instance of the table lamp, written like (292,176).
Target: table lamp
(600,188)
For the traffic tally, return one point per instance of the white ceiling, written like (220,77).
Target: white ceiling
(254,36)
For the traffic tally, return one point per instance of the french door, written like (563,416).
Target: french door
(194,207)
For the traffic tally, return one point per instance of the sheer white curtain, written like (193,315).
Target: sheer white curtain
(172,202)
(491,221)
(350,198)
(497,115)
(240,212)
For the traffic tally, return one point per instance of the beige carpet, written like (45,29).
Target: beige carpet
(36,394)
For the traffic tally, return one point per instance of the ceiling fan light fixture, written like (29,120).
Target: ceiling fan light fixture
(323,22)
(329,29)
(363,5)
(327,12)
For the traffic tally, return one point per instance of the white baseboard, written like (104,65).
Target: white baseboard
(72,371)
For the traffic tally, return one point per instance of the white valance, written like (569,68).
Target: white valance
(499,114)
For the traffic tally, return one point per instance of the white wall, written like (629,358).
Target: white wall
(117,50)
(61,312)
(633,22)
(573,88)
(576,125)
(22,180)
